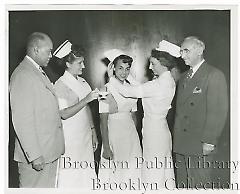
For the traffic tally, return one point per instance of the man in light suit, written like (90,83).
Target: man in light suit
(35,116)
(201,112)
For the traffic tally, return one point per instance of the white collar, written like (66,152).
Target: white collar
(72,83)
(124,82)
(69,75)
(164,74)
(34,63)
(196,67)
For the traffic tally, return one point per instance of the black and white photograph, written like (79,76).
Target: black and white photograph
(121,98)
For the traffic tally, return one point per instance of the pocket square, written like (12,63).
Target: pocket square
(197,90)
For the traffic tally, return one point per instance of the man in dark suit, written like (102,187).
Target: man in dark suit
(201,112)
(35,116)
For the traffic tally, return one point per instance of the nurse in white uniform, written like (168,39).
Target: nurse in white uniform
(156,96)
(76,167)
(121,144)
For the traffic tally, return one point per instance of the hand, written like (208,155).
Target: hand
(110,70)
(92,95)
(38,164)
(94,140)
(102,95)
(207,148)
(107,154)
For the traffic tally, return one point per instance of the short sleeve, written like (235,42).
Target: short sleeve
(62,103)
(61,93)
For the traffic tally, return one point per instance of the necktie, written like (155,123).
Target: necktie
(188,77)
(189,74)
(40,68)
(45,75)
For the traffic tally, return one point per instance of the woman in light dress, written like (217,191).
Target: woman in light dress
(156,96)
(121,143)
(76,167)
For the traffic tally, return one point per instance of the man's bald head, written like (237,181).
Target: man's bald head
(39,48)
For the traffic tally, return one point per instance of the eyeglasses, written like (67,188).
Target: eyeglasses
(184,51)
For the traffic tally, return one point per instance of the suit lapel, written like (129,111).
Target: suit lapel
(39,75)
(196,81)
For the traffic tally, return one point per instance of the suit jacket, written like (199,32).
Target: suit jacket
(35,115)
(201,110)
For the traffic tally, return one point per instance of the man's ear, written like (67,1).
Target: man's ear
(35,50)
(200,51)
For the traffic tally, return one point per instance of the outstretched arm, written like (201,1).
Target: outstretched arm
(146,90)
(72,110)
(127,91)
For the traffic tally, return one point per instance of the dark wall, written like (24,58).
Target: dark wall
(136,32)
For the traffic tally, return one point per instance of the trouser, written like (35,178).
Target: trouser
(30,178)
(193,171)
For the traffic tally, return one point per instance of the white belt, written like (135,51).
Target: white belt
(120,115)
(154,116)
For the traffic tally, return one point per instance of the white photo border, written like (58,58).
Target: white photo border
(234,80)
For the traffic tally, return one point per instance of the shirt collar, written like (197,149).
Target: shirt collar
(196,67)
(124,82)
(166,73)
(69,75)
(33,62)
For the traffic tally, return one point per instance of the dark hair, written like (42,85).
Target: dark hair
(76,52)
(124,58)
(170,60)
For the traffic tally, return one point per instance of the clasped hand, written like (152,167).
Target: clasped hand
(38,164)
(96,94)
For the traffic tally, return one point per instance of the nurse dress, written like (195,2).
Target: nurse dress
(156,96)
(124,142)
(76,167)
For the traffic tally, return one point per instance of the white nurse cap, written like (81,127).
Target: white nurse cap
(113,54)
(169,47)
(63,50)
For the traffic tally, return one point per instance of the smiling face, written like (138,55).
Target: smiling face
(156,66)
(75,68)
(122,70)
